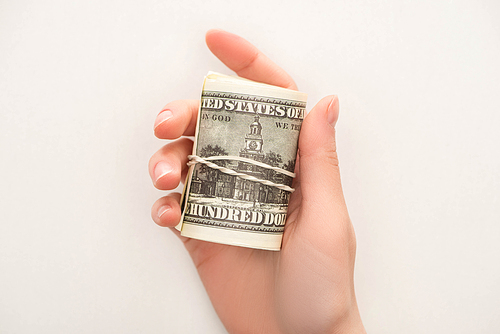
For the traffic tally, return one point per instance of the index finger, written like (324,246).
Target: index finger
(179,117)
(246,60)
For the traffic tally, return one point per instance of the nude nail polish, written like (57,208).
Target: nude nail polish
(162,168)
(162,117)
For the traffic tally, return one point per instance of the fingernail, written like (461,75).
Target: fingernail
(162,168)
(162,117)
(163,209)
(333,113)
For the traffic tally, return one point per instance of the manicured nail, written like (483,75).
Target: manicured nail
(162,168)
(333,111)
(162,117)
(163,209)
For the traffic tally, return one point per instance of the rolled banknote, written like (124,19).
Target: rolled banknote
(241,169)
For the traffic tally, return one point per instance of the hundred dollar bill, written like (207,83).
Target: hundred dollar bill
(241,169)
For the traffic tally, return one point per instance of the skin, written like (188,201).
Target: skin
(307,287)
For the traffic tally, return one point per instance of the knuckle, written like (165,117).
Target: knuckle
(331,156)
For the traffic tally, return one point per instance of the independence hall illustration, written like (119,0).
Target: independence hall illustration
(214,183)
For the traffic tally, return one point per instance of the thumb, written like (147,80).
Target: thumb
(318,163)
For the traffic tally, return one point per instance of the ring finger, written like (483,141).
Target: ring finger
(168,165)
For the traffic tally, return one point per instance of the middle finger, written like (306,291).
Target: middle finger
(178,118)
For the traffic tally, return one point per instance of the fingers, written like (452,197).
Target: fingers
(246,60)
(168,166)
(177,119)
(166,211)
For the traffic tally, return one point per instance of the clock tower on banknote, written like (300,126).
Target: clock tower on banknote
(244,189)
(253,142)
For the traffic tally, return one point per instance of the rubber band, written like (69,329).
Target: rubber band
(250,161)
(194,159)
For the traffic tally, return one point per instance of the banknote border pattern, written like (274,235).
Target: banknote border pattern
(255,98)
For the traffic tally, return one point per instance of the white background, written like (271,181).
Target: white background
(81,83)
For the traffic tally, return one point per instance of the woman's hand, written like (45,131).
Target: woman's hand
(308,286)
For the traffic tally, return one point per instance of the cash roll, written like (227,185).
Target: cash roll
(241,169)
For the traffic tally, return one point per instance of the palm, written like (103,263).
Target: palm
(237,276)
(256,291)
(238,281)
